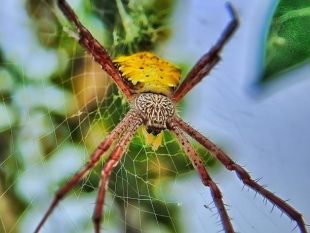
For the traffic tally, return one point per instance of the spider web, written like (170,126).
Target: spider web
(55,119)
(57,105)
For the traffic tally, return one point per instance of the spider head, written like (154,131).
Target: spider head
(155,110)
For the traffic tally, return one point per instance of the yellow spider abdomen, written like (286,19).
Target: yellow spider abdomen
(145,72)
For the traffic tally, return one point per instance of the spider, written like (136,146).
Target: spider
(153,95)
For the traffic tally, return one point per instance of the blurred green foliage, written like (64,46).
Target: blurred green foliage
(136,25)
(288,43)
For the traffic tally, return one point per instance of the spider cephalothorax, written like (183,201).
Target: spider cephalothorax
(155,110)
(150,85)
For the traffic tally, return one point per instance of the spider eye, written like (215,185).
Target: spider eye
(158,122)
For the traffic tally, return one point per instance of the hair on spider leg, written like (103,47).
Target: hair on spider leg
(272,208)
(227,205)
(255,195)
(218,223)
(258,179)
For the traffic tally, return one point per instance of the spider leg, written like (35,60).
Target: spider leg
(208,60)
(103,147)
(108,166)
(205,177)
(243,175)
(92,46)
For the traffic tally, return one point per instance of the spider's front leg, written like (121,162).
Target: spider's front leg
(208,60)
(92,46)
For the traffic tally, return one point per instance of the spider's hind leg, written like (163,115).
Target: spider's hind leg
(205,177)
(243,175)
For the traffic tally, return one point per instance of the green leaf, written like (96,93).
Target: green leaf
(288,43)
